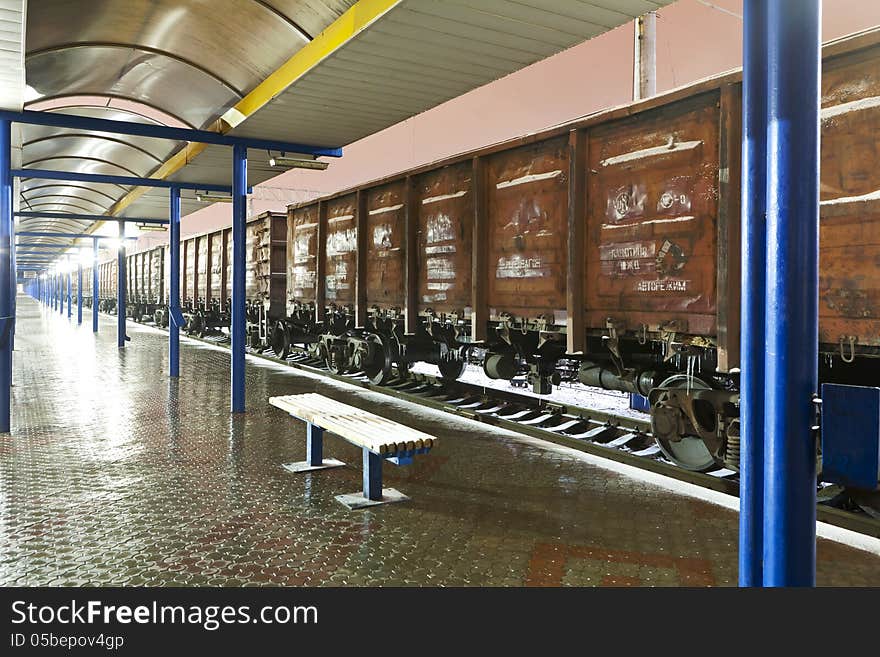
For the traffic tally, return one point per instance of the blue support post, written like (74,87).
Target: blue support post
(60,293)
(239,320)
(120,288)
(69,292)
(95,285)
(6,272)
(79,293)
(314,444)
(174,287)
(13,279)
(372,476)
(793,65)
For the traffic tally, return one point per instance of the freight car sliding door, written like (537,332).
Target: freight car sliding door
(446,215)
(386,246)
(302,255)
(528,227)
(341,251)
(652,205)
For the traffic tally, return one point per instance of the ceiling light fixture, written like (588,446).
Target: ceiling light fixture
(284,162)
(146,227)
(212,197)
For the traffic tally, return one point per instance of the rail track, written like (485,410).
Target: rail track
(606,434)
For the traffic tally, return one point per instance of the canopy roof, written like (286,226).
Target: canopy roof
(319,72)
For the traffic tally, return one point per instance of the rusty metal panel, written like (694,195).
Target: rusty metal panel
(189,264)
(340,251)
(528,227)
(111,281)
(201,267)
(302,250)
(257,259)
(386,245)
(155,273)
(266,248)
(166,275)
(651,223)
(130,285)
(446,218)
(216,267)
(849,285)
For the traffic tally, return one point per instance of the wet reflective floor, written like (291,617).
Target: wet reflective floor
(115,475)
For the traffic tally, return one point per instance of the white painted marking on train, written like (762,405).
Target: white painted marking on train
(852,106)
(522,180)
(443,197)
(304,226)
(673,147)
(342,217)
(387,208)
(674,220)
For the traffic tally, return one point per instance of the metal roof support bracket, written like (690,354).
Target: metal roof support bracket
(45,174)
(71,121)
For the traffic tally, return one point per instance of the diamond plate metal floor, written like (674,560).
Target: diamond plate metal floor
(114,475)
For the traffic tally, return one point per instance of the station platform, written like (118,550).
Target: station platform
(114,474)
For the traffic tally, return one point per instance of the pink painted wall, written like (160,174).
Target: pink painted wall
(694,41)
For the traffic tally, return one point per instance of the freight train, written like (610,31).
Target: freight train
(609,246)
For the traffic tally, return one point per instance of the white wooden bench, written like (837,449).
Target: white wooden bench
(379,438)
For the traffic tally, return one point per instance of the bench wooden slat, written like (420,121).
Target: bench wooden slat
(356,425)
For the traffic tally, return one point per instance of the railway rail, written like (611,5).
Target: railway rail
(605,434)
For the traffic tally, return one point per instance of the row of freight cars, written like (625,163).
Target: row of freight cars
(609,247)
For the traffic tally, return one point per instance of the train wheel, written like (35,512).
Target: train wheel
(378,364)
(280,343)
(688,451)
(451,368)
(194,325)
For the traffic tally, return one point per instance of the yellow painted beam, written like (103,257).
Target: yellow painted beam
(358,18)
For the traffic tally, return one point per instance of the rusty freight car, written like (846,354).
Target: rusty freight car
(608,247)
(145,293)
(610,244)
(206,278)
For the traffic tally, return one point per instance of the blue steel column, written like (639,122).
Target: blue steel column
(5,274)
(79,292)
(792,321)
(754,237)
(69,291)
(60,292)
(174,286)
(95,285)
(13,278)
(120,288)
(239,220)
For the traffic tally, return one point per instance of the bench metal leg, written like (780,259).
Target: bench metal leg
(372,476)
(314,444)
(314,453)
(373,493)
